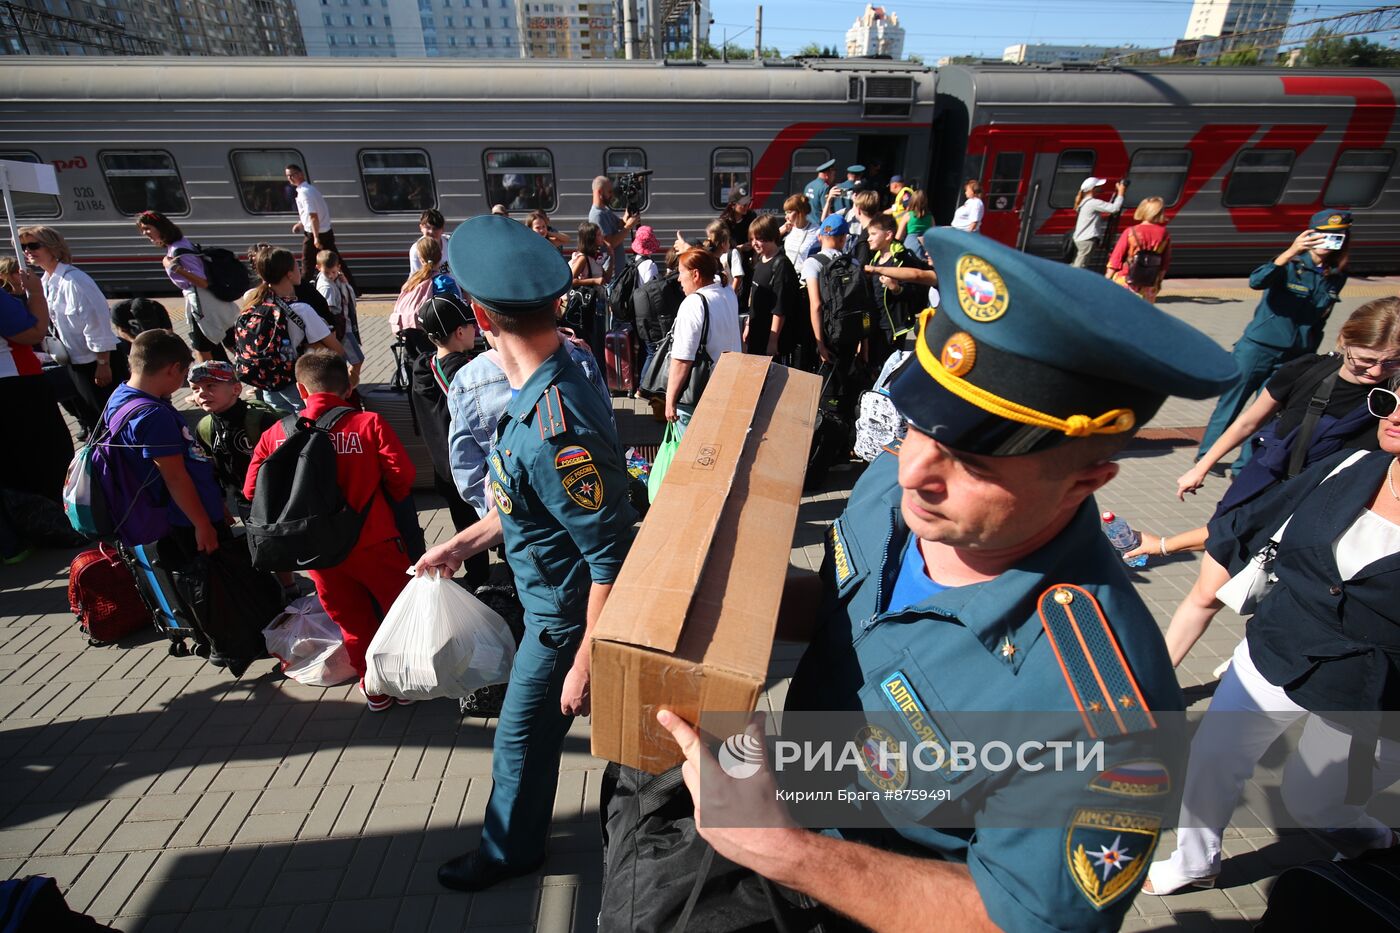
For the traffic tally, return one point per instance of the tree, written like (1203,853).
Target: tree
(915,58)
(1327,50)
(1245,56)
(812,50)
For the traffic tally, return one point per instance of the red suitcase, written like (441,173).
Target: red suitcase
(102,594)
(620,347)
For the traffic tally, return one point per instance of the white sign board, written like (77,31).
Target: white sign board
(29,177)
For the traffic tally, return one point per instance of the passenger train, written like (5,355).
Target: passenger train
(1243,157)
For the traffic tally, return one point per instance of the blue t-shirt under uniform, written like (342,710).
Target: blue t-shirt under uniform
(913,585)
(160,431)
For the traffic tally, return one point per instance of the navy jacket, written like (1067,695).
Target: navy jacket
(1332,644)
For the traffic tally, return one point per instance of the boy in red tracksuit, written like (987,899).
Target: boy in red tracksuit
(371,462)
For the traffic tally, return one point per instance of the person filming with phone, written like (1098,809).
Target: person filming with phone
(1301,286)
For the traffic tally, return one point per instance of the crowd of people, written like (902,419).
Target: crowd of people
(1012,403)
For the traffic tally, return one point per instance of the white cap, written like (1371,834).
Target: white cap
(1092,182)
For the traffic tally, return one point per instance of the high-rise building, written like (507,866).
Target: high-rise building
(675,18)
(411,28)
(189,27)
(1214,23)
(875,32)
(567,29)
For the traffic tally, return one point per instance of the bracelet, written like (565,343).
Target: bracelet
(1163,542)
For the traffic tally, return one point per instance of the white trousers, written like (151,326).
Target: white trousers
(1226,749)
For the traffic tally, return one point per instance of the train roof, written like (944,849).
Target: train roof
(185,78)
(1180,85)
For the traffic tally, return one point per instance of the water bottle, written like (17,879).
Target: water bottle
(1123,538)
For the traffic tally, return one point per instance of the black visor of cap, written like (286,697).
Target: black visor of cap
(961,425)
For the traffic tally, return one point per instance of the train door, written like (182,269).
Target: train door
(1006,185)
(882,157)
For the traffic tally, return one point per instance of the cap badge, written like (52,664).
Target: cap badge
(981,291)
(959,354)
(1334,220)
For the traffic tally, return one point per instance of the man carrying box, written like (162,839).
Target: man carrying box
(559,485)
(969,572)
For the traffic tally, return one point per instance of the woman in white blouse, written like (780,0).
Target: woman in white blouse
(80,317)
(710,310)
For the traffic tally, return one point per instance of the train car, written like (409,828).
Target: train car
(1242,157)
(205,141)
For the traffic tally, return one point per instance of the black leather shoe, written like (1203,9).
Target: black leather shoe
(476,872)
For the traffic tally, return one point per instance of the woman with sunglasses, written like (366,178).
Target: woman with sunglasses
(79,315)
(1368,353)
(1323,640)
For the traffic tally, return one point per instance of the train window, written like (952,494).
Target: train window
(1071,168)
(397,180)
(520,179)
(1359,178)
(262,180)
(1159,173)
(31,205)
(144,181)
(1258,178)
(1005,182)
(619,162)
(804,165)
(728,167)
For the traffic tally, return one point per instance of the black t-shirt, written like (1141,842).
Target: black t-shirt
(232,435)
(1293,387)
(774,290)
(898,310)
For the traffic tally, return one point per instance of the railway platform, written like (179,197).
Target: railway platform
(164,795)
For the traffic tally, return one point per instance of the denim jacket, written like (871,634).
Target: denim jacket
(476,400)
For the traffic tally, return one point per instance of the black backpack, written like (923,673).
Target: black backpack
(300,519)
(620,293)
(656,304)
(1144,265)
(847,307)
(228,276)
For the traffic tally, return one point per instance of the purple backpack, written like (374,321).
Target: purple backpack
(102,499)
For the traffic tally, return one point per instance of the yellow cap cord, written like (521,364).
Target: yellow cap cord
(1111,422)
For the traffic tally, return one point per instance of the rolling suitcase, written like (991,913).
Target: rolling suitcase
(620,349)
(158,586)
(395,408)
(104,596)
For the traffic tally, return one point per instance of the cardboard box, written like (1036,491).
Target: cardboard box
(689,624)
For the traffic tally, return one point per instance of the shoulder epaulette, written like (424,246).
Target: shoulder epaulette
(1092,662)
(549,414)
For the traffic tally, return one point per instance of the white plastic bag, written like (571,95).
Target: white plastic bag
(310,646)
(438,640)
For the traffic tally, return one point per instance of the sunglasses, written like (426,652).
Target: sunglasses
(31,247)
(1382,402)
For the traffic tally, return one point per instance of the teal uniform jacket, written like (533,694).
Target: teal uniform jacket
(1298,296)
(983,648)
(560,485)
(816,193)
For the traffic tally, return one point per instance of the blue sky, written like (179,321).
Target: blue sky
(934,28)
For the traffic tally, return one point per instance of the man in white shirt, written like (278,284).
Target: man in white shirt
(314,223)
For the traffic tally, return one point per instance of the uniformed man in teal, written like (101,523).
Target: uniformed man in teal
(1300,286)
(816,191)
(969,573)
(559,487)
